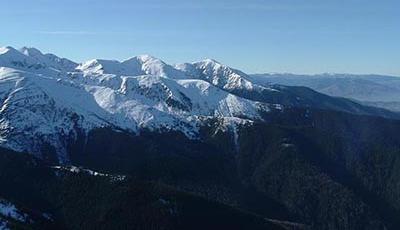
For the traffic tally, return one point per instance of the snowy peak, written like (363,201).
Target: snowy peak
(210,62)
(30,51)
(147,58)
(34,60)
(209,70)
(154,66)
(100,66)
(217,74)
(10,57)
(6,49)
(130,67)
(144,65)
(50,60)
(135,66)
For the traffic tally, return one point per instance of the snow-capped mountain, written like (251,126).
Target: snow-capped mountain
(139,65)
(218,74)
(45,101)
(50,60)
(33,60)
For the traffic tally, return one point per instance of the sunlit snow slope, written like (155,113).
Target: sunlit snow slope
(47,100)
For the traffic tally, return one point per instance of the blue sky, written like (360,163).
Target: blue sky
(301,36)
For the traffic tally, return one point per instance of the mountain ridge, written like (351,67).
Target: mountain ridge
(43,101)
(142,92)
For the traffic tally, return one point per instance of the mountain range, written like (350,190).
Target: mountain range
(143,144)
(374,90)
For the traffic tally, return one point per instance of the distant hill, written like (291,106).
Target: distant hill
(375,90)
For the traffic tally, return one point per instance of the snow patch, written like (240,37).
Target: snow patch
(9,210)
(75,169)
